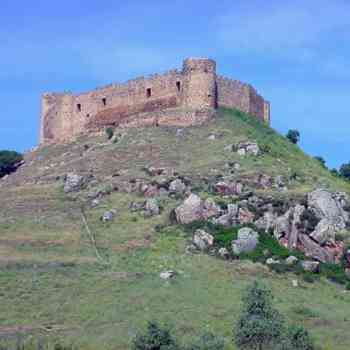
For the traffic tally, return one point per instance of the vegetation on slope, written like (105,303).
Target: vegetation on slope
(51,281)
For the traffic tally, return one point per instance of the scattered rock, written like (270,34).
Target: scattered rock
(324,232)
(310,266)
(108,215)
(229,148)
(295,283)
(203,240)
(136,206)
(151,207)
(73,183)
(230,218)
(247,240)
(231,188)
(280,183)
(271,261)
(166,275)
(223,253)
(291,260)
(245,216)
(247,147)
(177,186)
(264,181)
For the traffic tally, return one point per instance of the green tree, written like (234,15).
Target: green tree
(260,325)
(293,136)
(296,338)
(9,161)
(155,337)
(344,171)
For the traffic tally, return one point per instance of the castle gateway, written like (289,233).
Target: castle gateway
(179,98)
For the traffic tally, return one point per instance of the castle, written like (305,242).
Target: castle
(176,98)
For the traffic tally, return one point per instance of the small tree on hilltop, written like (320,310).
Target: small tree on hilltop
(344,171)
(9,162)
(293,136)
(260,325)
(155,337)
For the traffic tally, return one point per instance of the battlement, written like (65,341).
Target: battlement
(179,98)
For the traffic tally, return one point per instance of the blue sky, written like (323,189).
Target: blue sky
(295,53)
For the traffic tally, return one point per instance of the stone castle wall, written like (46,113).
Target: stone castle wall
(182,98)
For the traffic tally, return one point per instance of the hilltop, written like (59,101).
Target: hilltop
(68,274)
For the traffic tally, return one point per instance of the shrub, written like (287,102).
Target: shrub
(293,136)
(9,161)
(208,341)
(296,338)
(259,325)
(347,287)
(109,133)
(344,171)
(155,337)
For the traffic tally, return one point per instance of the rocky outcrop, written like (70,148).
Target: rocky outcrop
(202,240)
(194,208)
(73,183)
(246,242)
(247,148)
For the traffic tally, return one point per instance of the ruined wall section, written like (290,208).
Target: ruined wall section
(235,94)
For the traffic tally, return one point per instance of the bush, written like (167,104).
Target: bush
(208,341)
(109,133)
(155,337)
(347,287)
(296,338)
(259,325)
(293,136)
(344,171)
(9,161)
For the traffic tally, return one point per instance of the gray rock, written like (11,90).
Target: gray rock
(246,241)
(190,210)
(266,222)
(310,266)
(280,183)
(152,207)
(223,253)
(177,186)
(73,183)
(108,215)
(295,283)
(229,219)
(328,205)
(166,275)
(271,261)
(324,232)
(247,147)
(291,260)
(315,251)
(228,148)
(203,240)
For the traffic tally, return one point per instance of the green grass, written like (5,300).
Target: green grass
(50,275)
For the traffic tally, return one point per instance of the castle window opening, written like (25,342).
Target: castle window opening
(104,101)
(149,92)
(79,107)
(178,85)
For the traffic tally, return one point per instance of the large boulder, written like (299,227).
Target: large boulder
(324,232)
(329,205)
(194,208)
(310,266)
(203,240)
(73,183)
(230,218)
(313,250)
(246,242)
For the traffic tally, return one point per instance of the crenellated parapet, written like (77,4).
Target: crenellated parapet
(183,98)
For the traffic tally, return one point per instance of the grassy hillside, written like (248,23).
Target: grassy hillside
(52,282)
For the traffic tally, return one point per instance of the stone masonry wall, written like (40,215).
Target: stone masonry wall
(182,98)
